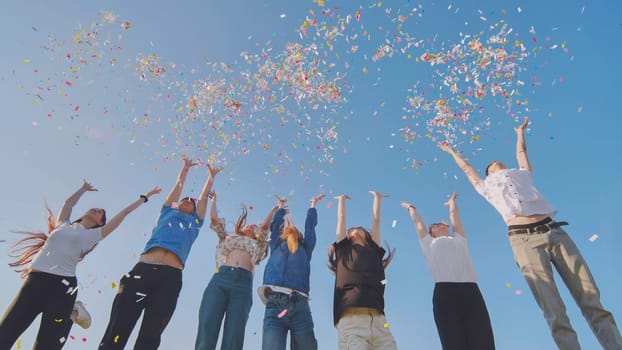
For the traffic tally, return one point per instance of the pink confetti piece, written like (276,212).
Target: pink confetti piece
(282,313)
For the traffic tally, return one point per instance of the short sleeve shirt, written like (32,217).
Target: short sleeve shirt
(64,248)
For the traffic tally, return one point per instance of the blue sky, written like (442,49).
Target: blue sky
(125,134)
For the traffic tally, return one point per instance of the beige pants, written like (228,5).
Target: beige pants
(534,255)
(364,329)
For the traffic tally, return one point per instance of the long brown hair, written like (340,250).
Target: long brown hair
(241,222)
(347,253)
(26,248)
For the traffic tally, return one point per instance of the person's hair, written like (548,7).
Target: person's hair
(488,167)
(292,236)
(241,222)
(194,201)
(347,252)
(26,248)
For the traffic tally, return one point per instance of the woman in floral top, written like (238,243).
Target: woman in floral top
(230,289)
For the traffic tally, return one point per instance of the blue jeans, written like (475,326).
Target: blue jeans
(230,293)
(288,312)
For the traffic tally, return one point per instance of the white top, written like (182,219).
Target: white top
(64,248)
(448,258)
(512,193)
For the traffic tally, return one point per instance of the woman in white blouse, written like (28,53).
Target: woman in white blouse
(50,287)
(229,294)
(459,309)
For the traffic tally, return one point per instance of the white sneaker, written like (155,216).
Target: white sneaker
(83,318)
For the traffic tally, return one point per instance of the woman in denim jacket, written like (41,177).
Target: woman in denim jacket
(285,289)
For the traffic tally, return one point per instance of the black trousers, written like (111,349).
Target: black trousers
(461,317)
(149,287)
(43,293)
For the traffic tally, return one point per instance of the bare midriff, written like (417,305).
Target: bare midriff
(162,256)
(239,258)
(526,220)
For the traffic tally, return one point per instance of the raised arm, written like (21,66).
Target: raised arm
(65,212)
(205,192)
(175,193)
(265,225)
(278,219)
(416,218)
(454,215)
(375,216)
(341,217)
(521,146)
(468,170)
(215,224)
(310,223)
(113,223)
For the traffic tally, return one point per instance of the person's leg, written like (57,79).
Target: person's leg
(382,339)
(476,320)
(159,307)
(532,256)
(240,302)
(576,274)
(22,311)
(274,323)
(126,308)
(301,325)
(447,317)
(56,316)
(354,332)
(211,312)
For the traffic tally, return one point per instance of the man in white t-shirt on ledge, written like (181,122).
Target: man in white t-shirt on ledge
(537,241)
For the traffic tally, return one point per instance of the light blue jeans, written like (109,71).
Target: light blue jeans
(288,313)
(228,295)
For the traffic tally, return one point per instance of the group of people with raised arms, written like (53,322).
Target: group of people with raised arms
(47,262)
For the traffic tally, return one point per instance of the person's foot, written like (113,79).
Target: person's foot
(82,317)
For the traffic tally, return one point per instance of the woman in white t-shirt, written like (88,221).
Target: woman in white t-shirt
(49,261)
(459,309)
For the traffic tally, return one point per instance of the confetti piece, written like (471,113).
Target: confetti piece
(282,15)
(386,325)
(116,339)
(250,207)
(394,223)
(217,270)
(113,285)
(58,320)
(508,285)
(282,313)
(65,282)
(383,282)
(62,340)
(593,238)
(518,292)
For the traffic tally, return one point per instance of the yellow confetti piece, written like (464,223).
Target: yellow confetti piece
(26,60)
(508,284)
(58,320)
(217,270)
(116,339)
(19,344)
(113,285)
(386,325)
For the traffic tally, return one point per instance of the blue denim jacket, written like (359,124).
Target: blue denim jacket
(284,268)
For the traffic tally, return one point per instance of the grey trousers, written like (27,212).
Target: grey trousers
(535,254)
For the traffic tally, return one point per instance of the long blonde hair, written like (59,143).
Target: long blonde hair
(292,236)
